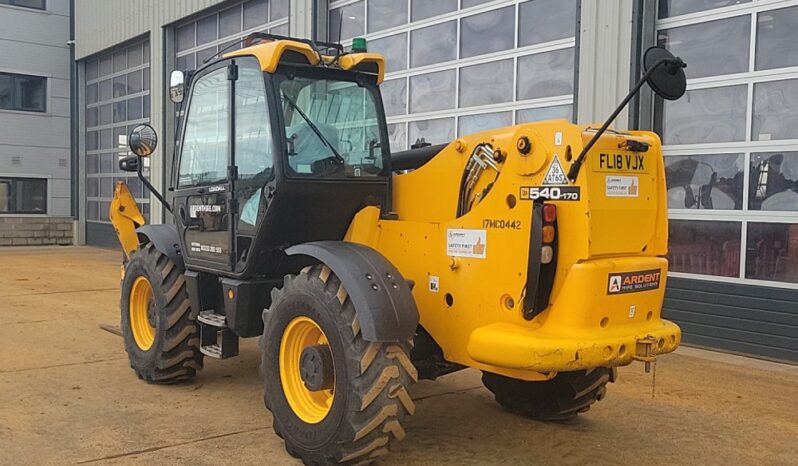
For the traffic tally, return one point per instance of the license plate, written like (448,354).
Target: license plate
(620,162)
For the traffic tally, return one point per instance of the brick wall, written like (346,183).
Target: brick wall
(35,231)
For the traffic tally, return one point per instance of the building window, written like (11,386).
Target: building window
(23,196)
(731,143)
(117,100)
(458,67)
(35,4)
(201,39)
(23,92)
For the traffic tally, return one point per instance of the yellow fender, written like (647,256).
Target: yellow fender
(126,218)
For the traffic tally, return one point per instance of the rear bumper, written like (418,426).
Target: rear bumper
(589,324)
(516,347)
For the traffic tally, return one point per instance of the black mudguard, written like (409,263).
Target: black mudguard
(382,298)
(165,239)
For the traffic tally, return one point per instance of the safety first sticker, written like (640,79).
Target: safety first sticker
(634,282)
(622,186)
(466,243)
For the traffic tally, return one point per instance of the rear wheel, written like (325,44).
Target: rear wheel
(335,397)
(161,336)
(563,397)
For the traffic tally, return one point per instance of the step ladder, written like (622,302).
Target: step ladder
(216,339)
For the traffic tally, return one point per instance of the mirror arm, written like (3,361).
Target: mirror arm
(574,170)
(151,187)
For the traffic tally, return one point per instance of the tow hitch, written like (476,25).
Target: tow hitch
(644,351)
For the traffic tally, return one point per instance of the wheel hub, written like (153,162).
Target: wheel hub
(316,368)
(307,375)
(151,312)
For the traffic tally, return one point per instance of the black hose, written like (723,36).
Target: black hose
(414,158)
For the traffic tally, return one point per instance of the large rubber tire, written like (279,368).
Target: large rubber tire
(563,397)
(174,354)
(370,398)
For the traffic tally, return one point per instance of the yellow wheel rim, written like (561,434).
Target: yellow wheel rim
(142,313)
(312,407)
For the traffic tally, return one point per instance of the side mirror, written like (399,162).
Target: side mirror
(664,73)
(129,163)
(667,77)
(177,85)
(142,140)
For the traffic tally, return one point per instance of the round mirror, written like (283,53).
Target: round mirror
(667,77)
(143,140)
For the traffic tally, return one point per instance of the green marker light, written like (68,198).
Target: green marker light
(359,45)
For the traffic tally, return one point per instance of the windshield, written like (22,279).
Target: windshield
(331,128)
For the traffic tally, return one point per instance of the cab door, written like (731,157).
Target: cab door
(203,204)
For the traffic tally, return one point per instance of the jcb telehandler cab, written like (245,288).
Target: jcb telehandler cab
(534,253)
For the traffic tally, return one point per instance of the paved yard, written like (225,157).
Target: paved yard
(67,395)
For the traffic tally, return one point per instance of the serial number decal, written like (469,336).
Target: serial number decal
(620,163)
(634,282)
(550,193)
(198,247)
(498,224)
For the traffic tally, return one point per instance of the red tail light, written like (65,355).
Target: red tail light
(549,213)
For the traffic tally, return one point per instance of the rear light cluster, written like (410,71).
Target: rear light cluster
(549,233)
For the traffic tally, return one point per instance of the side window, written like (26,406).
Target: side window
(332,128)
(205,144)
(253,137)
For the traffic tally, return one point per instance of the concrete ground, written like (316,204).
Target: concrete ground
(68,396)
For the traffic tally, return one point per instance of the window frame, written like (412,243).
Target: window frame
(15,98)
(13,180)
(13,4)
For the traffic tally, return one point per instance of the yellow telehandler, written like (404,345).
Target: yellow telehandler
(533,253)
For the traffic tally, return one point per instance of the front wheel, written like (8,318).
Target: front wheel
(335,397)
(161,336)
(563,397)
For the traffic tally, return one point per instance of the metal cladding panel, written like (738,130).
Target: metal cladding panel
(34,144)
(100,24)
(743,319)
(605,47)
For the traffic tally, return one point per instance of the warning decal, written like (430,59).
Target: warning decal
(555,175)
(633,282)
(434,283)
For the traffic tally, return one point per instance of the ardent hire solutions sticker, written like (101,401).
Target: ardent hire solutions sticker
(466,243)
(622,186)
(634,282)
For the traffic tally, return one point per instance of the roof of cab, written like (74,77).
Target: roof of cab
(270,54)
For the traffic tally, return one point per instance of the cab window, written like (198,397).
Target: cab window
(254,146)
(205,143)
(331,127)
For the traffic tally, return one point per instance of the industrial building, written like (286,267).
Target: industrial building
(456,67)
(35,107)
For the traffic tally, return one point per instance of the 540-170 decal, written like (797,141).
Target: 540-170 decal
(550,193)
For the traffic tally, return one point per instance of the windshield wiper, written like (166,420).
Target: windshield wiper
(314,128)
